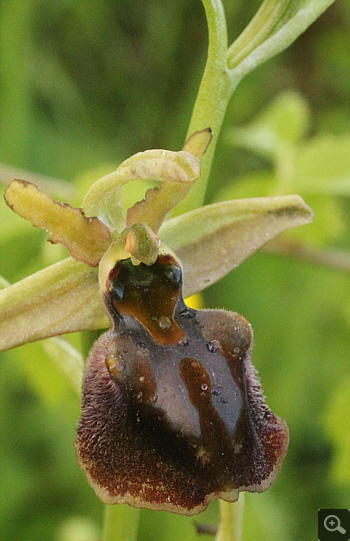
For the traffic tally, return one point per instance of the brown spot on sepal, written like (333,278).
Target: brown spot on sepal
(171,423)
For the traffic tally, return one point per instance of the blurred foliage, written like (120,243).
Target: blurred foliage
(82,87)
(317,167)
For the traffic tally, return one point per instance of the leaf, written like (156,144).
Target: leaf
(59,299)
(86,238)
(323,166)
(284,121)
(212,240)
(275,26)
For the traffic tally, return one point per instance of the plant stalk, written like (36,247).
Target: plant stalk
(120,523)
(214,94)
(231,523)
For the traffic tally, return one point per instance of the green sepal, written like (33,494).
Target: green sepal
(212,240)
(59,299)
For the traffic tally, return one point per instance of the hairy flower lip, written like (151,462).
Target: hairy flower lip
(173,425)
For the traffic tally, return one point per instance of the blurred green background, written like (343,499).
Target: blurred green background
(83,85)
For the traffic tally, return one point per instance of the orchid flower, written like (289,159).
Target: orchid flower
(173,414)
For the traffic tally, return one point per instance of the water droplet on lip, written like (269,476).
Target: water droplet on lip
(187,313)
(164,322)
(213,346)
(217,390)
(115,364)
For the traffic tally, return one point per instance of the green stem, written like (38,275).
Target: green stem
(120,523)
(276,25)
(215,91)
(258,30)
(231,523)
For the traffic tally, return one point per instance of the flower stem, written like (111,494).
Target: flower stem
(231,523)
(120,523)
(213,96)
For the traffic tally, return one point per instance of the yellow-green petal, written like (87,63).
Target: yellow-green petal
(86,238)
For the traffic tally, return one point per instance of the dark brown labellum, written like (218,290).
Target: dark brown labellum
(173,414)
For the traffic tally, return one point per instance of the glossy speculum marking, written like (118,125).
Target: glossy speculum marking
(173,414)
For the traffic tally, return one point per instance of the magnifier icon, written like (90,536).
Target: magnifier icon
(332,524)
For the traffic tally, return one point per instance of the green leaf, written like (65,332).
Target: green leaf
(59,299)
(284,121)
(323,166)
(212,240)
(275,26)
